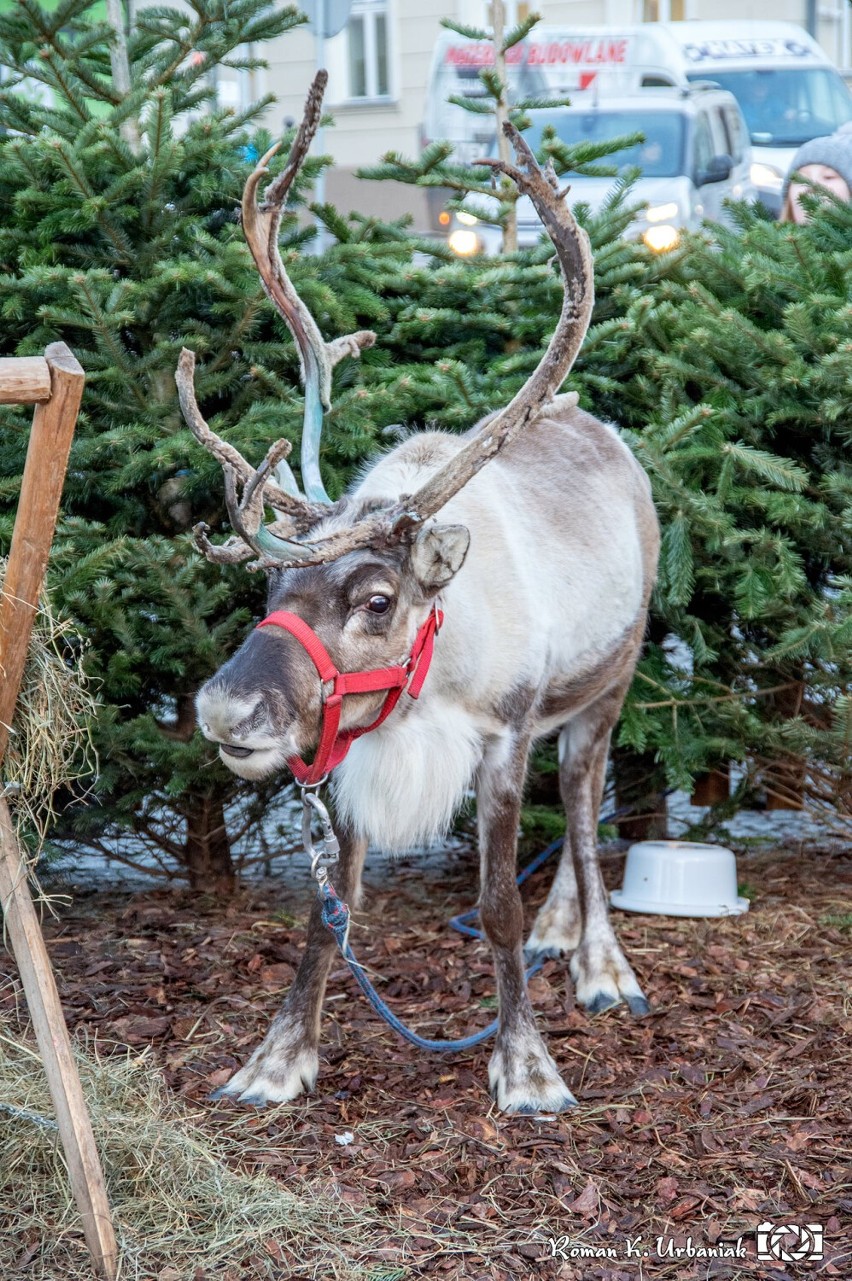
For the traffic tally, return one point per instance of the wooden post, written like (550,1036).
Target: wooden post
(24,380)
(58,401)
(69,1103)
(646,816)
(41,489)
(712,788)
(784,778)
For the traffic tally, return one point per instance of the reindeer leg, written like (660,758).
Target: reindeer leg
(601,974)
(287,1061)
(522,1075)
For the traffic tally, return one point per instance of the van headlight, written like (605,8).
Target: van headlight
(464,242)
(766,176)
(661,238)
(466,219)
(662,213)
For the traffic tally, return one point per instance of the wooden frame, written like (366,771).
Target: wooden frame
(54,383)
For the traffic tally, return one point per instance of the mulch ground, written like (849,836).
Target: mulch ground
(728,1107)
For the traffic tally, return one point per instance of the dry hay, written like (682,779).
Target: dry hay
(49,742)
(181,1209)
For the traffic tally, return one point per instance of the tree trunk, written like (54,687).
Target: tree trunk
(712,788)
(784,778)
(121,69)
(207,855)
(504,147)
(638,784)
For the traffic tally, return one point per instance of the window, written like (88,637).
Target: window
(661,11)
(514,11)
(718,132)
(736,133)
(659,156)
(368,50)
(702,148)
(786,106)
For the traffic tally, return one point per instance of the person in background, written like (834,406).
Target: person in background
(825,161)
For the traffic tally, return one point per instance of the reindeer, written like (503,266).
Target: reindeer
(541,564)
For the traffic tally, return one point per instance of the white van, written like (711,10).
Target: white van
(694,156)
(786,86)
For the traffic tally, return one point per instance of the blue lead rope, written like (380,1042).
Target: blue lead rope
(335,916)
(460,922)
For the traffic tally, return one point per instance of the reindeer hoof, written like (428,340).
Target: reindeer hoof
(603,1001)
(600,1003)
(535,955)
(524,1080)
(532,1109)
(602,978)
(555,932)
(272,1076)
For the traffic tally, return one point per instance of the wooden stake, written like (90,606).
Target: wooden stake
(44,474)
(69,1104)
(38,506)
(712,788)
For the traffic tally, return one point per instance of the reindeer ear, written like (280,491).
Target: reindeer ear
(438,554)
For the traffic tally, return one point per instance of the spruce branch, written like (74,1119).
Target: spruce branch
(520,31)
(70,162)
(469,33)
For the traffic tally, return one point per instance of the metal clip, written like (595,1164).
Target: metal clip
(325,853)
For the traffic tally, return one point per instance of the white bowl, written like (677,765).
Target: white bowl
(680,878)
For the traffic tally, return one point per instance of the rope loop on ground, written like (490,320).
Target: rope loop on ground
(335,916)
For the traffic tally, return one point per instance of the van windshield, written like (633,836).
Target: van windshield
(659,156)
(785,107)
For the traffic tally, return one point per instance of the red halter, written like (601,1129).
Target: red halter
(333,746)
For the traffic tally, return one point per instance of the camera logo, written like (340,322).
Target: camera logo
(789,1242)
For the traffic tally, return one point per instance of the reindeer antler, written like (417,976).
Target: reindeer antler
(246,514)
(575,259)
(279,545)
(261,225)
(573,251)
(273,482)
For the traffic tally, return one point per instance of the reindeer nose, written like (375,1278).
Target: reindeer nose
(228,719)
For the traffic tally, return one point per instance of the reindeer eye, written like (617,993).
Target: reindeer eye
(378,604)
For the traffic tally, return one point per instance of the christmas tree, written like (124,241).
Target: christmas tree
(122,239)
(727,362)
(736,383)
(728,365)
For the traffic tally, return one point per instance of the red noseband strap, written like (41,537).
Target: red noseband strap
(335,743)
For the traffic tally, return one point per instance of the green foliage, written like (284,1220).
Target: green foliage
(461,29)
(734,413)
(520,31)
(727,364)
(127,253)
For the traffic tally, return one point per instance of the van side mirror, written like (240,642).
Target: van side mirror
(718,170)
